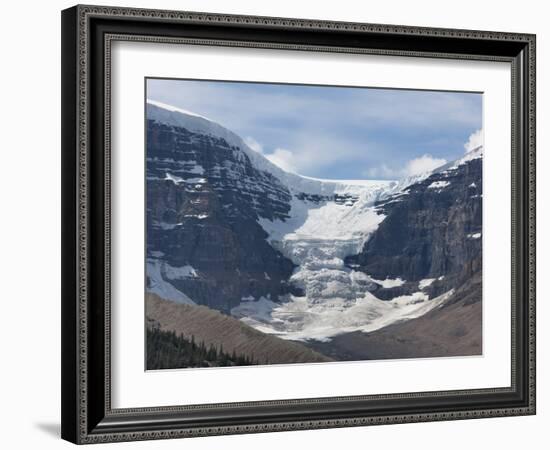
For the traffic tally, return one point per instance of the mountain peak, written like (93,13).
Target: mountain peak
(178,117)
(168,107)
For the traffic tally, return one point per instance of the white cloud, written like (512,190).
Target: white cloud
(283,158)
(254,144)
(416,166)
(474,141)
(423,164)
(306,152)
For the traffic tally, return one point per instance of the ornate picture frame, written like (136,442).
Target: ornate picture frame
(88,33)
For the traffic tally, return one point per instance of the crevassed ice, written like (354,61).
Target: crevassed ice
(337,299)
(299,319)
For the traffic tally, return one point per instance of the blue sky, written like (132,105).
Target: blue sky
(336,132)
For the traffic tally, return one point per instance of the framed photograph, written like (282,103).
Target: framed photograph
(278,224)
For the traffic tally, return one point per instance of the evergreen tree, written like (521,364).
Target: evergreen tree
(167,350)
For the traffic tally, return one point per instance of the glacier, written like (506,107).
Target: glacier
(338,299)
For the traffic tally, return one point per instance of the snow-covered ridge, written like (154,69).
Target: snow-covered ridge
(177,117)
(475,153)
(171,108)
(400,186)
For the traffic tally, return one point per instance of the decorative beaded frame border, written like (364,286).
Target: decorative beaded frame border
(84,14)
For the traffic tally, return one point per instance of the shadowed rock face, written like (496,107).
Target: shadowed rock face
(433,230)
(203,200)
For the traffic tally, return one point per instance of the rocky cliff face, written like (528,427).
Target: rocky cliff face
(432,229)
(203,200)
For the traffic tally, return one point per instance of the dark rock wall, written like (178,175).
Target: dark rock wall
(207,218)
(428,232)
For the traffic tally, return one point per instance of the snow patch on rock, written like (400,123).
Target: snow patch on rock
(179,273)
(425,283)
(389,283)
(157,282)
(439,185)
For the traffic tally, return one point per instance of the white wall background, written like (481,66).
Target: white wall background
(30,223)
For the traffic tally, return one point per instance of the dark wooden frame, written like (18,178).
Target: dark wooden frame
(87,32)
